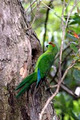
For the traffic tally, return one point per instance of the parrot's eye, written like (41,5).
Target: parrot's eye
(47,46)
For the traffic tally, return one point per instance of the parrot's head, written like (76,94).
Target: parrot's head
(52,48)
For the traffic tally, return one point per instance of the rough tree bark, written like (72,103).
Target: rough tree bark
(19,47)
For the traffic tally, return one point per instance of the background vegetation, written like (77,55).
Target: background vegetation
(46,19)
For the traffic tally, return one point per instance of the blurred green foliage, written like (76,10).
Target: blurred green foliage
(66,106)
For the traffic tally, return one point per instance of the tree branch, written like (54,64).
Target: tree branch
(57,90)
(61,78)
(46,21)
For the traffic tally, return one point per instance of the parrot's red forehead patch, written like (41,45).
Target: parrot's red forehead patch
(51,44)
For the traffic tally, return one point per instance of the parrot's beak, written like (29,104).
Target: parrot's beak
(51,44)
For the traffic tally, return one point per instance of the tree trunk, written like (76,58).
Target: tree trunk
(19,48)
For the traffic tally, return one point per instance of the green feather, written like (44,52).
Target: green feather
(43,64)
(25,88)
(33,77)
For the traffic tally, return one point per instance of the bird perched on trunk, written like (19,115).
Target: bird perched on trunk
(42,68)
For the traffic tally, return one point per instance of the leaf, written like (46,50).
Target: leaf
(75,19)
(73,47)
(76,74)
(71,37)
(77,66)
(78,10)
(76,58)
(74,115)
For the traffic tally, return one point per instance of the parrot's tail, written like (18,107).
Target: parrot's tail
(26,83)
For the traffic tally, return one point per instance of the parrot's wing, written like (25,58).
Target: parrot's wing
(38,77)
(43,65)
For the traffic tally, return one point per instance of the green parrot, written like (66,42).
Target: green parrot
(42,68)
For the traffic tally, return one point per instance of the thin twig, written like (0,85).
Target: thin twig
(35,17)
(62,51)
(54,11)
(75,4)
(61,48)
(30,5)
(46,21)
(61,78)
(46,5)
(67,90)
(73,63)
(56,92)
(53,86)
(63,86)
